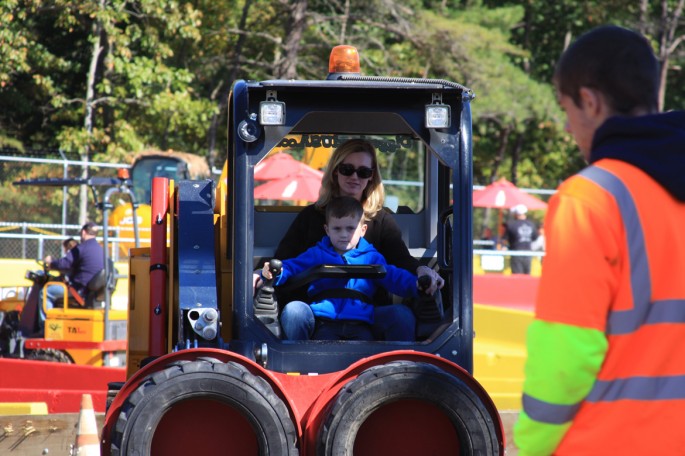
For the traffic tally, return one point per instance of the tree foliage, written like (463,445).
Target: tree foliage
(106,78)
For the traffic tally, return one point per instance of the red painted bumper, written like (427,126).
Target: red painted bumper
(57,384)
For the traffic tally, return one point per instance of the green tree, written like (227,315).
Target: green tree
(548,27)
(663,21)
(516,118)
(109,77)
(96,78)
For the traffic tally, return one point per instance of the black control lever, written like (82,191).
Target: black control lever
(428,307)
(424,283)
(265,299)
(275,267)
(265,303)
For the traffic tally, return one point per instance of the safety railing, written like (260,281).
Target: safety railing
(20,240)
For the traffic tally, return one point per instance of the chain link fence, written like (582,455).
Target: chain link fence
(63,207)
(20,240)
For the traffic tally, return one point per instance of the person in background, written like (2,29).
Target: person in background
(81,263)
(490,239)
(605,372)
(334,316)
(519,235)
(69,244)
(501,232)
(538,245)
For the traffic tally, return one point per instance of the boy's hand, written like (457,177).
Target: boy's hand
(266,273)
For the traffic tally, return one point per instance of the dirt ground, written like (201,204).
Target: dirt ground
(33,435)
(508,419)
(38,435)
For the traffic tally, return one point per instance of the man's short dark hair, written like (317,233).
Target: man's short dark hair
(344,206)
(90,228)
(618,62)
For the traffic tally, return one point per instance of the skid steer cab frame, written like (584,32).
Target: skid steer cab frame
(208,369)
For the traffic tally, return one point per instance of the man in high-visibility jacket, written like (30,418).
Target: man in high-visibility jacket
(605,373)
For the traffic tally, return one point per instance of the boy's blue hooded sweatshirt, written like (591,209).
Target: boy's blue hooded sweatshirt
(397,281)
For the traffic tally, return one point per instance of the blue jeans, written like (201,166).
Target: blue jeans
(393,322)
(297,321)
(54,292)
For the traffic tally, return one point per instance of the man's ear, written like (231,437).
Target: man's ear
(594,104)
(589,99)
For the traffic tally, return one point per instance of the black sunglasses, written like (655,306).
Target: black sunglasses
(347,170)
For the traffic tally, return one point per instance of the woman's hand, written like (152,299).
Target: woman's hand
(436,281)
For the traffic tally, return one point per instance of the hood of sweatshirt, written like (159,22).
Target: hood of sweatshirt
(654,143)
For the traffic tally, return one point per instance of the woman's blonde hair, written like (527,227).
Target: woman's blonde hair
(373,195)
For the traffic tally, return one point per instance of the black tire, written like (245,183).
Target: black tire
(207,379)
(49,354)
(113,389)
(379,386)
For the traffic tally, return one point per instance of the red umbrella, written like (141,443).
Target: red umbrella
(301,186)
(279,165)
(505,195)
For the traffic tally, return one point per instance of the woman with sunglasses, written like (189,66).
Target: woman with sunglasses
(353,171)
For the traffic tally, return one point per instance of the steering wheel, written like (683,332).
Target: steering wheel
(335,271)
(47,271)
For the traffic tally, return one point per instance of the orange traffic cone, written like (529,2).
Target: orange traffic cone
(87,440)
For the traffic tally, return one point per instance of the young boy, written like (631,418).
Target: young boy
(344,318)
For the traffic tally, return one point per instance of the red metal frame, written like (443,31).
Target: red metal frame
(158,266)
(23,380)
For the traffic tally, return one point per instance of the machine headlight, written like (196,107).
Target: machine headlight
(272,113)
(438,116)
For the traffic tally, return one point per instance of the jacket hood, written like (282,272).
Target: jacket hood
(654,143)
